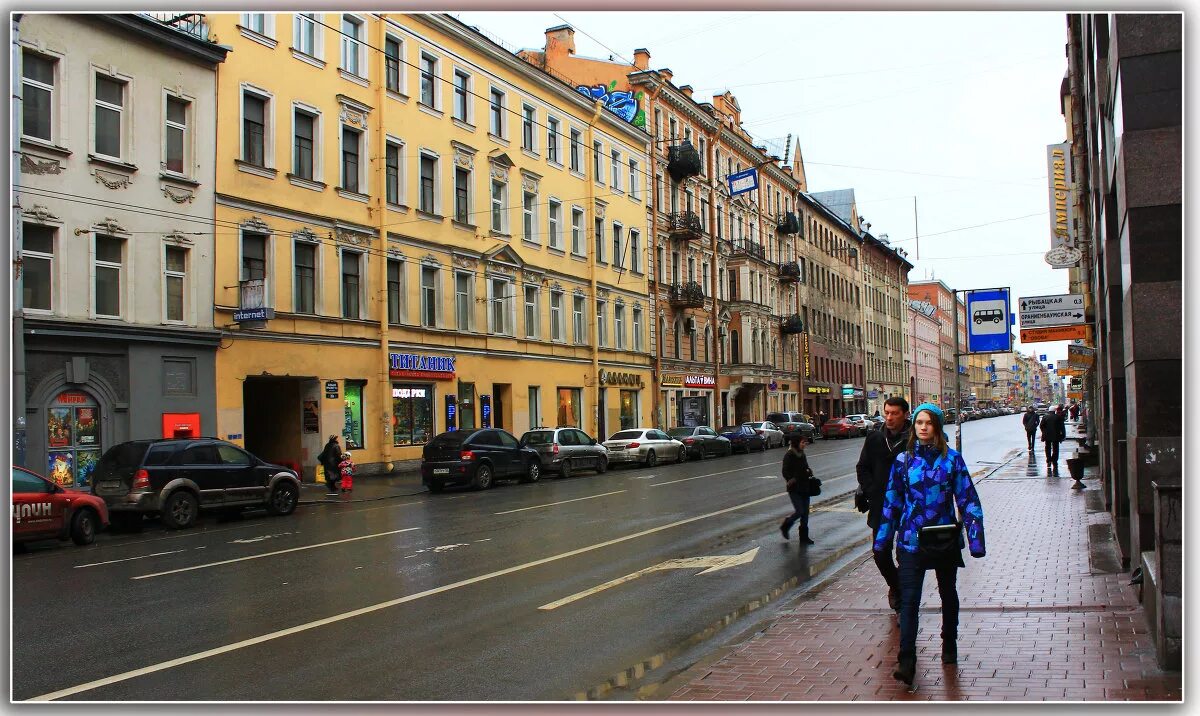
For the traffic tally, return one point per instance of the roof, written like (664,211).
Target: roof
(840,201)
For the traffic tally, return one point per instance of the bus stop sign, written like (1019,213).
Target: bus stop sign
(988,321)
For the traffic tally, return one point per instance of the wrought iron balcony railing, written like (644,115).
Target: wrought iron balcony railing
(790,224)
(789,272)
(686,295)
(746,248)
(683,161)
(792,324)
(685,225)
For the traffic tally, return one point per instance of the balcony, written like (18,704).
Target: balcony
(792,324)
(686,295)
(683,161)
(743,247)
(789,272)
(789,225)
(192,23)
(685,225)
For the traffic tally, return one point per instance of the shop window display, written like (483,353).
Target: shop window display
(352,432)
(570,407)
(412,414)
(73,439)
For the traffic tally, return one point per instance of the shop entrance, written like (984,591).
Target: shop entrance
(281,420)
(73,438)
(502,406)
(745,403)
(693,411)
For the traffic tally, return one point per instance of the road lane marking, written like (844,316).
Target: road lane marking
(128,559)
(198,656)
(563,502)
(272,554)
(711,474)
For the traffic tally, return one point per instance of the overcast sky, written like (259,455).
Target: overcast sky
(954,108)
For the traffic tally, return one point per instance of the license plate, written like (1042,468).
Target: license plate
(441,471)
(617,447)
(110,484)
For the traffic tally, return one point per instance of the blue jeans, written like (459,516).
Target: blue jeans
(800,502)
(912,578)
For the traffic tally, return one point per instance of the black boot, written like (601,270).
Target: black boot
(906,668)
(894,599)
(783,529)
(804,536)
(949,651)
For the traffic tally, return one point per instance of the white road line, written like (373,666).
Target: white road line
(711,474)
(128,559)
(125,676)
(563,502)
(272,554)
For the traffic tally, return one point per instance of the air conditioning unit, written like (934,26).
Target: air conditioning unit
(691,325)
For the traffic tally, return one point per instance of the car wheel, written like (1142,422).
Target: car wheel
(83,527)
(283,499)
(179,511)
(483,477)
(533,471)
(565,470)
(762,446)
(651,459)
(436,486)
(602,465)
(700,454)
(682,455)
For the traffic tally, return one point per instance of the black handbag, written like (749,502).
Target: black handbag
(936,541)
(814,486)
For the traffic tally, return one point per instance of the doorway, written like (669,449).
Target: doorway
(273,420)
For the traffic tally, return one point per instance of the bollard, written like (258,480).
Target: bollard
(1075,466)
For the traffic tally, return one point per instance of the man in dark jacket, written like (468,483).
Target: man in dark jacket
(879,451)
(1030,421)
(329,459)
(1054,431)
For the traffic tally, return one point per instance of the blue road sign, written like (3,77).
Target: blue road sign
(743,182)
(1043,357)
(988,321)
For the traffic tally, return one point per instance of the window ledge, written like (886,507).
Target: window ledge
(498,139)
(557,250)
(553,163)
(397,207)
(431,111)
(578,257)
(437,218)
(306,183)
(499,235)
(463,124)
(464,226)
(257,37)
(247,167)
(178,179)
(397,95)
(43,145)
(353,195)
(351,77)
(530,153)
(530,242)
(112,163)
(305,57)
(577,174)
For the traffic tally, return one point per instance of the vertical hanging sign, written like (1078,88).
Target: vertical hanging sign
(1062,195)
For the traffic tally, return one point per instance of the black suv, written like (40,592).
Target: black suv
(175,479)
(477,458)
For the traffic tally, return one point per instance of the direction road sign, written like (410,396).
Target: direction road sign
(1033,304)
(988,320)
(1057,333)
(1052,318)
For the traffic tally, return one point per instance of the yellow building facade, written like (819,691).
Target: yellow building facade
(417,231)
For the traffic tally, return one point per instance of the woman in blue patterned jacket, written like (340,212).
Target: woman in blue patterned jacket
(926,482)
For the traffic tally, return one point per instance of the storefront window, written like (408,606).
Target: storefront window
(629,410)
(412,414)
(352,431)
(73,439)
(570,407)
(466,406)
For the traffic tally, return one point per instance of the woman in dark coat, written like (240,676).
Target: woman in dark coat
(329,459)
(796,472)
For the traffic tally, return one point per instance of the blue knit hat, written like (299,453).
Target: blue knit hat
(935,410)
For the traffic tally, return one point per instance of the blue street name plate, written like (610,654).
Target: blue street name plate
(743,182)
(253,314)
(988,320)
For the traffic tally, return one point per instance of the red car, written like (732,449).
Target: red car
(839,428)
(44,510)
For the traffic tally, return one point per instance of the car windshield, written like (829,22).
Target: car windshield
(450,440)
(680,432)
(627,435)
(541,437)
(753,425)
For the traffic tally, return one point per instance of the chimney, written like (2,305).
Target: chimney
(560,41)
(686,90)
(641,58)
(666,73)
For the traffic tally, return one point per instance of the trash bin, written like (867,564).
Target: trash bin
(1075,467)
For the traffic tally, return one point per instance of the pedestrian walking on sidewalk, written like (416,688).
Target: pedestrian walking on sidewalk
(879,452)
(329,459)
(797,473)
(927,481)
(1054,431)
(1030,421)
(346,470)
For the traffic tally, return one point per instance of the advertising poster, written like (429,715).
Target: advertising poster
(312,419)
(352,429)
(87,427)
(60,468)
(58,427)
(85,465)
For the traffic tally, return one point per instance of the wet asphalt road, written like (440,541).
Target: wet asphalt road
(428,597)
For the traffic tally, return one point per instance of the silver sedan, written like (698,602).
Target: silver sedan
(773,435)
(646,446)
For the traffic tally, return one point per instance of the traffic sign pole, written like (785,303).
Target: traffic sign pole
(958,421)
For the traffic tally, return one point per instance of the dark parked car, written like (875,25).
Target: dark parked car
(44,510)
(790,423)
(477,458)
(702,441)
(840,428)
(176,478)
(744,437)
(565,450)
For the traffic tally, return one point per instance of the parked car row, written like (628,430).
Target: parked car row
(971,413)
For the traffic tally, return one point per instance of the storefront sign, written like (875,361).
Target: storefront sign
(1062,199)
(672,381)
(818,389)
(414,365)
(408,392)
(181,425)
(700,381)
(806,371)
(72,398)
(873,394)
(253,315)
(847,391)
(610,378)
(451,413)
(485,411)
(925,308)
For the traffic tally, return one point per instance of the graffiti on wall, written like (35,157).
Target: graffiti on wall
(622,103)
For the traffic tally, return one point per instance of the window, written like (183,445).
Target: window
(392,50)
(637,328)
(110,107)
(659,258)
(37,267)
(176,134)
(528,119)
(599,241)
(616,170)
(531,311)
(108,265)
(254,257)
(496,113)
(304,299)
(577,231)
(678,340)
(392,172)
(37,96)
(499,196)
(352,46)
(704,286)
(598,162)
(555,213)
(428,172)
(500,300)
(302,150)
(576,151)
(601,320)
(351,284)
(674,128)
(462,195)
(395,277)
(304,33)
(635,251)
(254,118)
(256,21)
(428,80)
(429,296)
(557,328)
(351,165)
(577,324)
(552,140)
(618,254)
(633,179)
(619,325)
(529,216)
(464,289)
(462,82)
(676,262)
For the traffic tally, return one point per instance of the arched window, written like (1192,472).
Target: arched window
(735,348)
(707,344)
(692,339)
(678,338)
(661,338)
(754,346)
